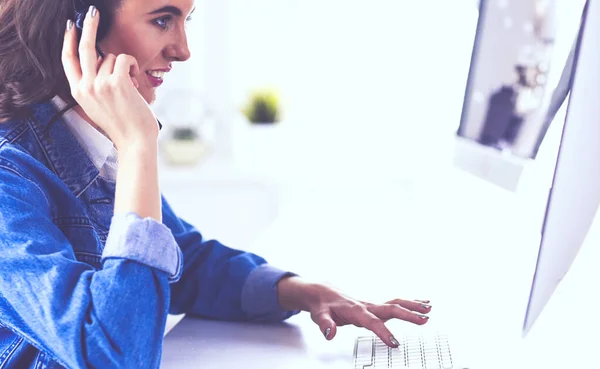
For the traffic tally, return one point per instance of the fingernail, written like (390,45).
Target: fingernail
(69,24)
(424,301)
(423,317)
(93,11)
(425,306)
(327,331)
(394,341)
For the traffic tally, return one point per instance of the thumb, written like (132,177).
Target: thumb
(326,324)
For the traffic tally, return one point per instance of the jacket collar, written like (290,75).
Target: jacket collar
(66,158)
(97,146)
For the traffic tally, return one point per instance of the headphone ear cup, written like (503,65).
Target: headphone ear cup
(105,19)
(79,17)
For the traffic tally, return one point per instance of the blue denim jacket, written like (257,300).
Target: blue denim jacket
(82,287)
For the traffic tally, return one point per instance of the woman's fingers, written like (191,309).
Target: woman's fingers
(422,306)
(107,65)
(69,57)
(370,321)
(393,311)
(325,323)
(126,66)
(87,45)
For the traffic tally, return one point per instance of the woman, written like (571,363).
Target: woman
(93,257)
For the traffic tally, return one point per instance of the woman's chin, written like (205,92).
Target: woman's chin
(149,96)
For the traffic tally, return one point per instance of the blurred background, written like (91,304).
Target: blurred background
(352,100)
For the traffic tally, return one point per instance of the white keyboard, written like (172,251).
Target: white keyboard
(414,352)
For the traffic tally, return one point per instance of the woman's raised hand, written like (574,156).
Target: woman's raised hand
(106,88)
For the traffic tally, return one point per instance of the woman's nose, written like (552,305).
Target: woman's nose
(184,52)
(179,50)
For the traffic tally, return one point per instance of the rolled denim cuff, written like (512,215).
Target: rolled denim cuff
(259,294)
(145,241)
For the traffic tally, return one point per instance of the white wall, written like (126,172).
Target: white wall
(355,62)
(364,83)
(376,79)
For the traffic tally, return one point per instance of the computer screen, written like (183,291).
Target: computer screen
(575,193)
(519,51)
(507,95)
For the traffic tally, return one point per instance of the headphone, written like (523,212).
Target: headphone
(81,9)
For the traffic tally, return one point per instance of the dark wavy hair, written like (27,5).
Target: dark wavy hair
(31,39)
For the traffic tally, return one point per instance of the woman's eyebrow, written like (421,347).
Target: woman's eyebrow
(170,9)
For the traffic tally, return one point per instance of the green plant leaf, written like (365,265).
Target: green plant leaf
(263,107)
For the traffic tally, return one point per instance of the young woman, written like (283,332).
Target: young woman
(93,258)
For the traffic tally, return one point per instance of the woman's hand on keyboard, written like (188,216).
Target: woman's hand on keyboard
(330,309)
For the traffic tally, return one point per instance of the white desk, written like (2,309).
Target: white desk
(293,344)
(382,240)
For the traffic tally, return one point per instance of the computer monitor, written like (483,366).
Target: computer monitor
(575,193)
(517,56)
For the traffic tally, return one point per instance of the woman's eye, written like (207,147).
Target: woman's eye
(163,22)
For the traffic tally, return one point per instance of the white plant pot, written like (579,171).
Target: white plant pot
(184,152)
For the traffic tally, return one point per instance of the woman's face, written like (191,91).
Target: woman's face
(152,31)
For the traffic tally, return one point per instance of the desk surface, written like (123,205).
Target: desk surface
(297,343)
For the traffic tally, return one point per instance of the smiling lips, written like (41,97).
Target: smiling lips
(156,76)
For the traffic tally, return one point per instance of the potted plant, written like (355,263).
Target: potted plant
(184,147)
(263,107)
(260,136)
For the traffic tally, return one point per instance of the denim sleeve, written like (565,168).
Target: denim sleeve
(130,237)
(219,282)
(109,318)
